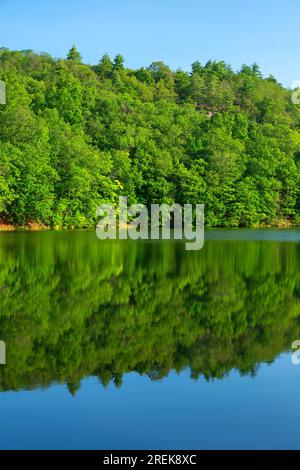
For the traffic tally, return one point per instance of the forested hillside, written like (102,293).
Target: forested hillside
(73,136)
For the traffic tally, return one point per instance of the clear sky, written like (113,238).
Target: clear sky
(175,31)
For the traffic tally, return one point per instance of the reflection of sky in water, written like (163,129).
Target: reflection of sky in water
(177,412)
(80,311)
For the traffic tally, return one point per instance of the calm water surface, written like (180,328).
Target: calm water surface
(127,345)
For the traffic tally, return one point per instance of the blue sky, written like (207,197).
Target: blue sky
(175,31)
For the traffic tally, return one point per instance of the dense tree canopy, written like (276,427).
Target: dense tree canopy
(73,136)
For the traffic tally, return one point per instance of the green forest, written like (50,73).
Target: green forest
(71,307)
(73,136)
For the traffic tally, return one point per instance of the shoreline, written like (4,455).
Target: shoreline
(35,227)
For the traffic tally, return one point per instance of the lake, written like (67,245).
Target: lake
(143,345)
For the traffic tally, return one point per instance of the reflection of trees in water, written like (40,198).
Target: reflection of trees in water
(71,306)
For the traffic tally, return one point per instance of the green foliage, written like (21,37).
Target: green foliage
(74,55)
(73,136)
(72,306)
